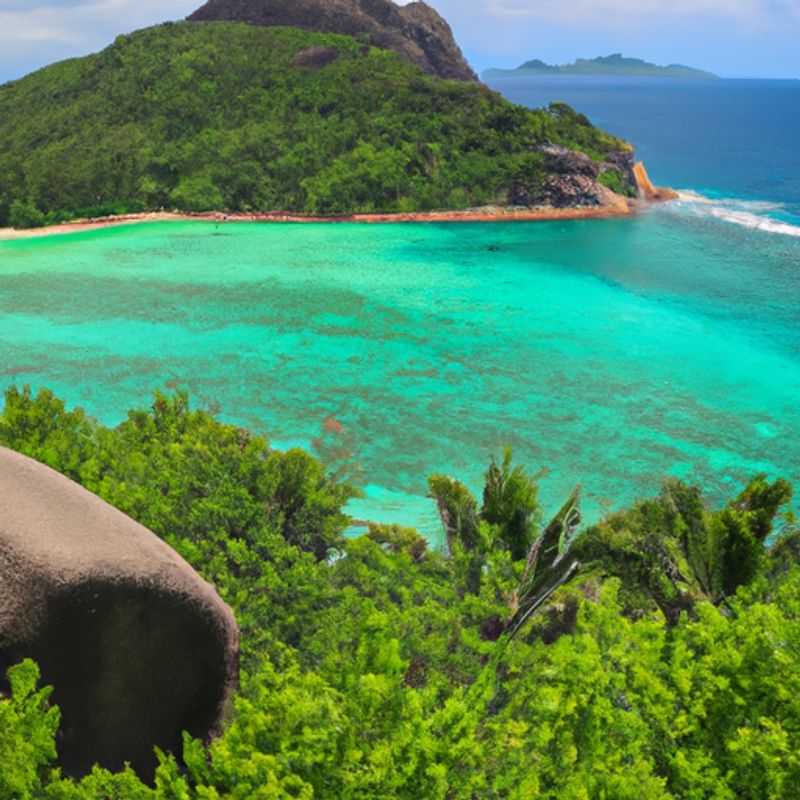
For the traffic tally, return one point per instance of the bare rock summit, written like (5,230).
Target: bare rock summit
(415,31)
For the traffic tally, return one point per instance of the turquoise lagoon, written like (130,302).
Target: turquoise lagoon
(611,353)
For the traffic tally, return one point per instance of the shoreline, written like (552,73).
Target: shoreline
(623,208)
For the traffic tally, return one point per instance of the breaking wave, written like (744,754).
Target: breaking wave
(752,214)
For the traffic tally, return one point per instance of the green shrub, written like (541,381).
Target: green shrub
(198,193)
(27,734)
(24,214)
(613,179)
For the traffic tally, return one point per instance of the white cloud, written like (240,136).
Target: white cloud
(625,14)
(36,32)
(620,14)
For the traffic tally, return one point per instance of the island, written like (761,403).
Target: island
(613,65)
(273,111)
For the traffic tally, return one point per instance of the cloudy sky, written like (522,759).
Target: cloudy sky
(759,38)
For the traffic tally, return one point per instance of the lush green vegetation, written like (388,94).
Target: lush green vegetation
(216,116)
(656,654)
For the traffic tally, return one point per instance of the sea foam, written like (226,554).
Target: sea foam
(753,214)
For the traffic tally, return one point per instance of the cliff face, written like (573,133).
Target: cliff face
(416,31)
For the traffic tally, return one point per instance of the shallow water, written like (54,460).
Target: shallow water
(612,352)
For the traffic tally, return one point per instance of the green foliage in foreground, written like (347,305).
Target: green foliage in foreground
(215,116)
(385,670)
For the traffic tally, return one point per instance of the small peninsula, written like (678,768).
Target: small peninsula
(615,64)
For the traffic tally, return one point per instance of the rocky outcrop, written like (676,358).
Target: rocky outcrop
(571,190)
(623,161)
(315,57)
(561,161)
(571,181)
(137,646)
(415,31)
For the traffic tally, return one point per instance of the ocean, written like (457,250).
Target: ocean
(610,353)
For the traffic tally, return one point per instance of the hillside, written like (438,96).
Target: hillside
(237,117)
(615,64)
(415,31)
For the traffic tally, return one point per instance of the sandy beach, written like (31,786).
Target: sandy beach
(486,214)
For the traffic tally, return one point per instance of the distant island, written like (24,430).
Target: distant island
(615,64)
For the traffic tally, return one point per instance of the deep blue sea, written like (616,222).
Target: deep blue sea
(612,353)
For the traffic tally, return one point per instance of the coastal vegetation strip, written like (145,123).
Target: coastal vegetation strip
(612,205)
